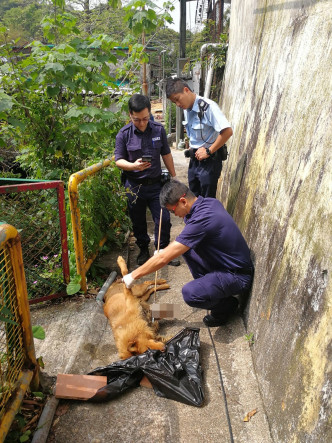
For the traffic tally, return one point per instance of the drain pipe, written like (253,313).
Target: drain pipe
(106,285)
(45,421)
(209,75)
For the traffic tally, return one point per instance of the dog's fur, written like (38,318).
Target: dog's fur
(130,317)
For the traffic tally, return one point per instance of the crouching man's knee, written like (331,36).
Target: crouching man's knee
(187,295)
(193,295)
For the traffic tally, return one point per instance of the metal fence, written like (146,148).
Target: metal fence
(37,210)
(18,365)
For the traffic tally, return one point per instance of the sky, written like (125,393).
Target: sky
(190,14)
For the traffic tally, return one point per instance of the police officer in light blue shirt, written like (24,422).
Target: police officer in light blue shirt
(208,131)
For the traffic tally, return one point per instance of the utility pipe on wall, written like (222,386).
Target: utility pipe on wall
(209,75)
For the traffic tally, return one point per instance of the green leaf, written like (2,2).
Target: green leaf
(106,102)
(7,320)
(88,128)
(52,91)
(54,67)
(73,288)
(6,311)
(69,84)
(40,362)
(16,123)
(25,436)
(115,4)
(38,332)
(74,112)
(6,102)
(71,70)
(7,316)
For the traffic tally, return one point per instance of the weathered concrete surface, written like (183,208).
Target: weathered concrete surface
(277,185)
(79,339)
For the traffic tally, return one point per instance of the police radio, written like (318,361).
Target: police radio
(202,106)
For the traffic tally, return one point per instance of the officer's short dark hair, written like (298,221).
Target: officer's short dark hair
(172,191)
(138,102)
(175,86)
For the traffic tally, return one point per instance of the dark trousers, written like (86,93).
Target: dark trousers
(203,175)
(211,289)
(140,197)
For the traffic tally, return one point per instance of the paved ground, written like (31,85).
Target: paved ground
(79,339)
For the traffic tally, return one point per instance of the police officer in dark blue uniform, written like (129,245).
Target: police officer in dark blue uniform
(214,249)
(208,131)
(138,148)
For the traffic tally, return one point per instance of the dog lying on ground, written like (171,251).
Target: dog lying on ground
(130,317)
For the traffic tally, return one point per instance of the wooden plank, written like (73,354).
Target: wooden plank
(78,387)
(145,382)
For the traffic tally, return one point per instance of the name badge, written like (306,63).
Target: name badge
(155,139)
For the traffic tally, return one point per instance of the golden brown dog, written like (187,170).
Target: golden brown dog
(130,317)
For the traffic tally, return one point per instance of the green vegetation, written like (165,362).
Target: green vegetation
(250,338)
(61,105)
(62,96)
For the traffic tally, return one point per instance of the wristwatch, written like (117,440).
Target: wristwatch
(208,151)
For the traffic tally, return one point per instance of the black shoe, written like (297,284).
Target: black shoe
(211,321)
(143,256)
(226,311)
(174,262)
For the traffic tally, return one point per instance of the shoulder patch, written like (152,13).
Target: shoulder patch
(202,105)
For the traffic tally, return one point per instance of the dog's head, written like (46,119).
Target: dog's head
(139,345)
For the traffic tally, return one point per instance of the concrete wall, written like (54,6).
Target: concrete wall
(277,184)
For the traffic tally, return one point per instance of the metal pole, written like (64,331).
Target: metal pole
(182,28)
(144,83)
(179,111)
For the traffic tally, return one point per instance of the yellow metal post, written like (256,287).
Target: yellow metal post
(27,369)
(74,181)
(8,418)
(23,306)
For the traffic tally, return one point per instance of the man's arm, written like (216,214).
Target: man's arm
(169,163)
(138,165)
(121,155)
(222,138)
(158,261)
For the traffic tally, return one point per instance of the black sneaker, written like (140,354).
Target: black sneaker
(143,256)
(174,262)
(211,321)
(228,309)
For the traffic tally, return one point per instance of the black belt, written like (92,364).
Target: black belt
(145,181)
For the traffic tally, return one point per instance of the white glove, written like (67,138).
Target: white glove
(157,252)
(128,280)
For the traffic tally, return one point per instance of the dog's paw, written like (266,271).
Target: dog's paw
(157,345)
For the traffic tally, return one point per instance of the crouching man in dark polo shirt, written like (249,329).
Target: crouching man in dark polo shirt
(214,249)
(138,148)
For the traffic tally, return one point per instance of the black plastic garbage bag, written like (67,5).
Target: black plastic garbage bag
(175,373)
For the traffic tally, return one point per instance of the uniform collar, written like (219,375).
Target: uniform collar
(192,209)
(137,131)
(195,105)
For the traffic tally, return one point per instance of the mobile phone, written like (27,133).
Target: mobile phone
(146,158)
